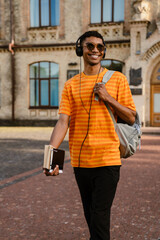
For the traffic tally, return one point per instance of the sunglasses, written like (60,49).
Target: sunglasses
(91,46)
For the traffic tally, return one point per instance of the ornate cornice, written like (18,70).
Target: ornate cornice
(93,25)
(61,46)
(144,22)
(4,48)
(118,44)
(44,48)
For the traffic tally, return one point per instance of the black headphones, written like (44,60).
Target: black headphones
(79,49)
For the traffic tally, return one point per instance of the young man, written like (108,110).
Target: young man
(94,144)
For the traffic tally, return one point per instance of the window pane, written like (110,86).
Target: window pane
(45,12)
(107,10)
(118,10)
(116,65)
(55,12)
(34,93)
(44,93)
(95,11)
(34,70)
(106,63)
(54,70)
(54,92)
(112,65)
(34,13)
(157,103)
(44,69)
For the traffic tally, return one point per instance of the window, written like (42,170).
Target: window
(44,85)
(112,65)
(44,13)
(107,11)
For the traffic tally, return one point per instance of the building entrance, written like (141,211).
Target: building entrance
(155,97)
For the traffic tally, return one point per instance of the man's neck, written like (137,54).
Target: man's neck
(92,70)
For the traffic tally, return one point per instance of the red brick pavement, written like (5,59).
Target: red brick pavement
(44,208)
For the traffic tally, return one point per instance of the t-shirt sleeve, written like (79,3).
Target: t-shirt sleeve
(65,105)
(124,94)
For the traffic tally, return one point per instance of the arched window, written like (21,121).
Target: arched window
(44,90)
(112,65)
(107,11)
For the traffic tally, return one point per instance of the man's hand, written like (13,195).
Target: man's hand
(101,90)
(54,172)
(123,112)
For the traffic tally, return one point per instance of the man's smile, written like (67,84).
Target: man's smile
(94,56)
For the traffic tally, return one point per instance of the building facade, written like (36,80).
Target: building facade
(37,52)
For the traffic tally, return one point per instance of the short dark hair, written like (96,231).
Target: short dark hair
(90,34)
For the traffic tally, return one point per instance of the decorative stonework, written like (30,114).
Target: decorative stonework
(32,36)
(42,35)
(118,45)
(64,48)
(4,50)
(45,49)
(106,32)
(44,114)
(110,31)
(116,32)
(141,10)
(158,22)
(155,48)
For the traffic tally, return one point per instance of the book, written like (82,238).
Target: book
(53,157)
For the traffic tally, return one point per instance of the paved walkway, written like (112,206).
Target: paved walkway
(33,206)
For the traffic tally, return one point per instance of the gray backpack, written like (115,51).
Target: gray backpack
(129,136)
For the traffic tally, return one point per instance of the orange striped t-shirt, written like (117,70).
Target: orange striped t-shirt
(95,145)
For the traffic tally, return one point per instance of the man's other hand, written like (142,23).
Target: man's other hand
(54,172)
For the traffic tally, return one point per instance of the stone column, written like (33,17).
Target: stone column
(138,25)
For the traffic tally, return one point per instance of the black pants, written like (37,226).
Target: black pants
(97,187)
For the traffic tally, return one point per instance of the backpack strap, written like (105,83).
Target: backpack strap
(111,114)
(105,79)
(107,76)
